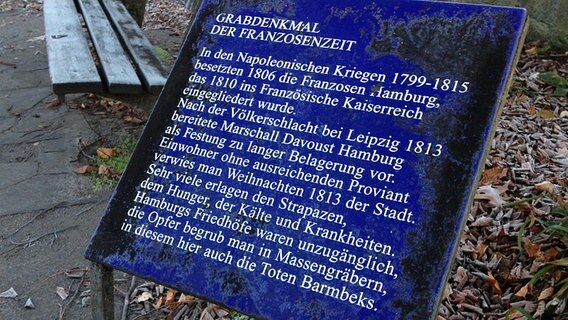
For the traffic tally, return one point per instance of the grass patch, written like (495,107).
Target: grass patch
(164,55)
(553,233)
(110,163)
(557,81)
(240,316)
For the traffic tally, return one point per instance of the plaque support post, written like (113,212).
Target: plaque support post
(102,292)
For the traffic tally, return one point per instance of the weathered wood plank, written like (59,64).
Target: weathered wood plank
(118,71)
(71,66)
(150,68)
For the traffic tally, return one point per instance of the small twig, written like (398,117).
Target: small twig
(25,224)
(61,311)
(70,300)
(127,298)
(17,183)
(99,135)
(41,282)
(82,146)
(87,156)
(55,237)
(31,241)
(13,65)
(59,205)
(42,236)
(42,129)
(89,208)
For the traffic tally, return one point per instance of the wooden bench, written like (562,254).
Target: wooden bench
(127,61)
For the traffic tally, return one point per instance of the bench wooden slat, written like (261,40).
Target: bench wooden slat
(71,66)
(151,70)
(118,71)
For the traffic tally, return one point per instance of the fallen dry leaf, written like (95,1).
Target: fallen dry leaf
(62,293)
(105,153)
(560,200)
(171,295)
(29,304)
(526,289)
(221,312)
(133,120)
(546,293)
(481,249)
(513,314)
(550,254)
(546,114)
(84,170)
(461,277)
(184,298)
(532,51)
(540,310)
(482,222)
(144,296)
(491,194)
(493,175)
(494,283)
(159,303)
(545,186)
(10,293)
(171,299)
(532,249)
(55,102)
(206,316)
(519,273)
(104,170)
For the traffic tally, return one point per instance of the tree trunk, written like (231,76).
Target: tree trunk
(137,8)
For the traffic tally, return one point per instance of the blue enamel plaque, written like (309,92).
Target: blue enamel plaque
(314,159)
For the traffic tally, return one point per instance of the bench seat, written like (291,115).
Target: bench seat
(126,61)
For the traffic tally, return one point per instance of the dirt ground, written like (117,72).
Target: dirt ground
(47,211)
